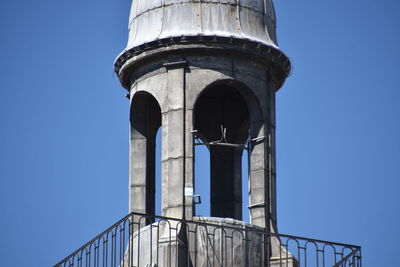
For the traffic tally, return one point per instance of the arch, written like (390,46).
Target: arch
(252,101)
(226,113)
(145,119)
(145,115)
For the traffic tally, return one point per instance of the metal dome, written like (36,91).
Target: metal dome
(152,20)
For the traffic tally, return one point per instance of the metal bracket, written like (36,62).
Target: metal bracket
(221,142)
(261,138)
(258,205)
(196,199)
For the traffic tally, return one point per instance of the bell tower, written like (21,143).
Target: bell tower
(203,73)
(207,73)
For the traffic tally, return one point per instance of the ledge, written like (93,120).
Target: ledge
(128,61)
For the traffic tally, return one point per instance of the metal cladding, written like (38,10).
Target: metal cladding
(152,20)
(173,26)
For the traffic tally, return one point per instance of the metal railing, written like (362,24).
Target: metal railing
(148,240)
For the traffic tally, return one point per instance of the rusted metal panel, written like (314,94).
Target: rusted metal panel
(152,20)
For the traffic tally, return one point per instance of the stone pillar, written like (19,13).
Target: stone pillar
(174,158)
(263,165)
(189,163)
(272,154)
(145,120)
(174,137)
(258,169)
(138,174)
(226,182)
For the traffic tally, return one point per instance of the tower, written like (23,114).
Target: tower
(206,72)
(194,68)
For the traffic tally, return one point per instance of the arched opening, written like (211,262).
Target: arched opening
(222,123)
(145,122)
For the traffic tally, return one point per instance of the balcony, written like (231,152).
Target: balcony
(155,241)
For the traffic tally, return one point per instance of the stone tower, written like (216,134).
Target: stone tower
(206,73)
(204,70)
(193,67)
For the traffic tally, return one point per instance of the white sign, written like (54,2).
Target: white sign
(188,191)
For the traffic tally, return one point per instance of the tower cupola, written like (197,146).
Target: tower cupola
(153,20)
(170,26)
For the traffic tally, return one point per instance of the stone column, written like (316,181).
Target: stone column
(138,173)
(272,153)
(258,169)
(174,139)
(262,165)
(226,182)
(189,163)
(174,135)
(145,120)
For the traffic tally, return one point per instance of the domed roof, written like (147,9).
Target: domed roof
(152,20)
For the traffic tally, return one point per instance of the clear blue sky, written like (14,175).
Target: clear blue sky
(64,125)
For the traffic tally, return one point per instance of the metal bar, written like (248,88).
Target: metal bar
(242,146)
(353,253)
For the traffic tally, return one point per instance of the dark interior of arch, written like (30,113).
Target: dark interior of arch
(145,121)
(222,105)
